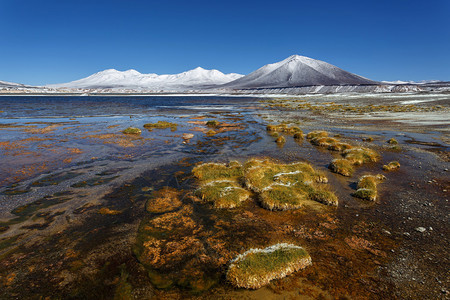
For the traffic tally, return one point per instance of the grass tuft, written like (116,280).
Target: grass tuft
(367,187)
(161,125)
(257,267)
(342,166)
(132,130)
(393,165)
(316,134)
(359,156)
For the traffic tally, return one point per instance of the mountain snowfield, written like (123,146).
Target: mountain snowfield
(297,71)
(194,79)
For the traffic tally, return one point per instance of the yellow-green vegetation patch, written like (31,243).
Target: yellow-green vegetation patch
(342,166)
(393,165)
(212,123)
(260,174)
(161,125)
(131,130)
(316,134)
(392,141)
(299,135)
(367,187)
(217,171)
(282,197)
(286,186)
(280,140)
(324,141)
(257,267)
(283,128)
(223,193)
(359,156)
(340,146)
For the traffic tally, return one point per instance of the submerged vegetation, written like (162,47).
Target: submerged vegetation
(257,267)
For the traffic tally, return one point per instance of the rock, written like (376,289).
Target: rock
(421,229)
(187,136)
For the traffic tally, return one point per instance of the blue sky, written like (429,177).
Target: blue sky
(44,42)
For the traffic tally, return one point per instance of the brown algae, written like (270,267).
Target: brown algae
(257,267)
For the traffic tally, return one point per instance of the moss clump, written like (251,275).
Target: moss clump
(340,146)
(282,197)
(132,130)
(283,128)
(223,193)
(368,139)
(366,194)
(286,186)
(212,123)
(393,165)
(280,140)
(359,156)
(324,141)
(299,135)
(161,125)
(392,141)
(211,132)
(324,197)
(257,267)
(342,166)
(367,187)
(316,134)
(217,171)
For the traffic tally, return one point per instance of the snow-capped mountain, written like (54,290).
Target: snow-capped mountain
(196,78)
(296,71)
(10,84)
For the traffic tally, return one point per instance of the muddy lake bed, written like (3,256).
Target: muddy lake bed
(90,212)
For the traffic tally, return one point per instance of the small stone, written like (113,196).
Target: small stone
(421,229)
(406,233)
(430,228)
(187,136)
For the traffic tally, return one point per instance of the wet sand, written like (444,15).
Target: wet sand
(73,193)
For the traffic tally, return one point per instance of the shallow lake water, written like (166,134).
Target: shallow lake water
(74,188)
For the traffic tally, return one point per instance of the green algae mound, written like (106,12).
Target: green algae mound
(257,267)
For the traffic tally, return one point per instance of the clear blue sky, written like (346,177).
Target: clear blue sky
(56,41)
